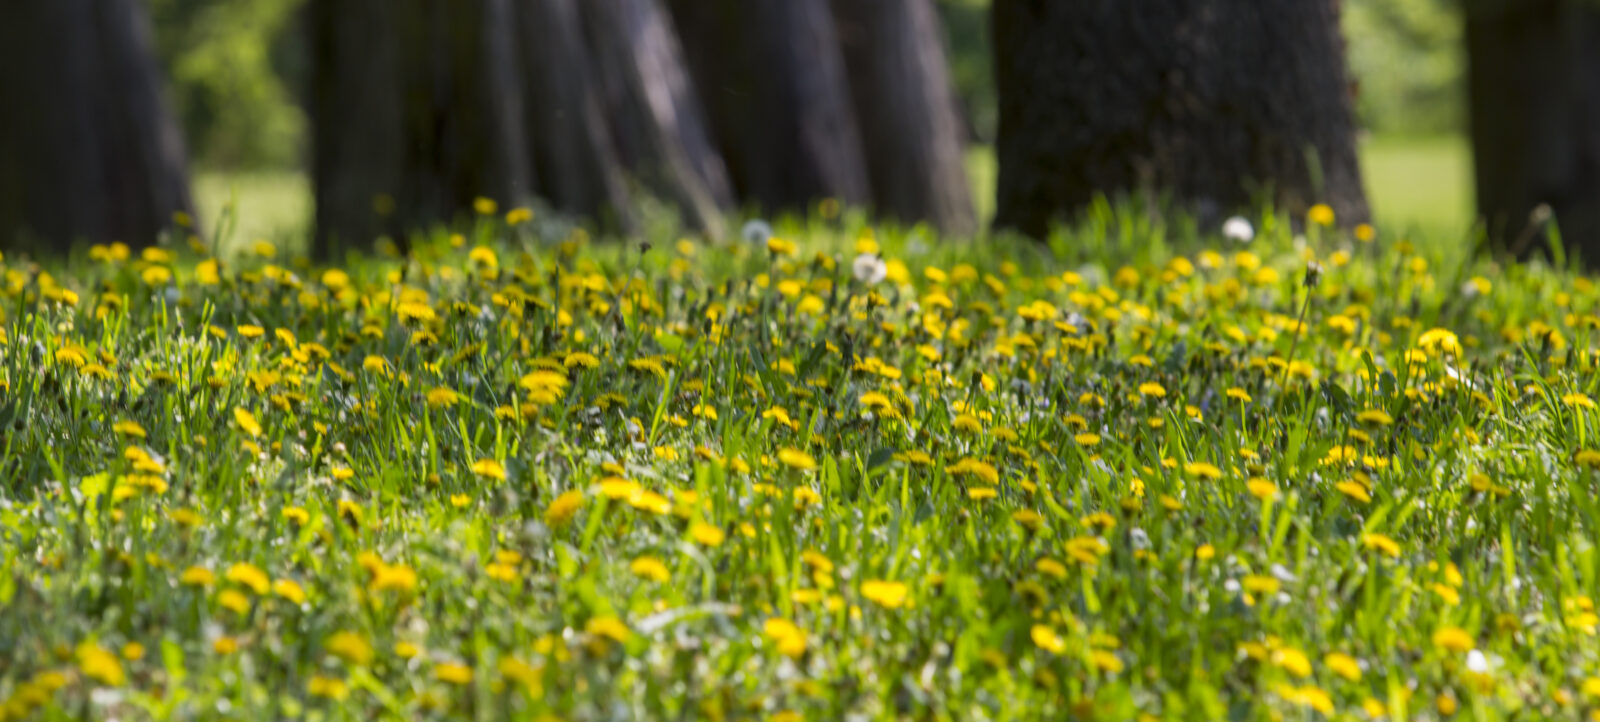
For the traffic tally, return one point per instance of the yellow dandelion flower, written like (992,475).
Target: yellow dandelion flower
(706,534)
(100,665)
(1261,584)
(886,594)
(235,600)
(489,469)
(453,673)
(1375,417)
(290,590)
(1292,661)
(1381,544)
(790,638)
(651,568)
(197,577)
(1046,638)
(1087,550)
(348,646)
(249,575)
(796,459)
(1354,490)
(331,688)
(442,398)
(247,421)
(1454,639)
(394,577)
(607,627)
(563,508)
(1308,696)
(1343,665)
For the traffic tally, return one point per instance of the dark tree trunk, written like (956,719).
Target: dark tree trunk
(656,118)
(358,127)
(1535,116)
(88,151)
(772,76)
(577,164)
(910,123)
(1215,101)
(416,112)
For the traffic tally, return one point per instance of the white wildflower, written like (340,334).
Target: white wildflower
(756,231)
(869,268)
(1238,230)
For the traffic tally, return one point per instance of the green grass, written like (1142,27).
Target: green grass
(526,477)
(982,174)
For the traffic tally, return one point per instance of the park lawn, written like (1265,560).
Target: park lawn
(1416,185)
(1422,186)
(242,208)
(518,476)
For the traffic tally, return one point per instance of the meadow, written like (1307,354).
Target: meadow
(827,470)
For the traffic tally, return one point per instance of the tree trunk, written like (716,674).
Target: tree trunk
(772,76)
(579,169)
(1534,103)
(416,112)
(1220,102)
(910,124)
(88,151)
(656,118)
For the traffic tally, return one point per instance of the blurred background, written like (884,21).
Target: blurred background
(237,72)
(242,79)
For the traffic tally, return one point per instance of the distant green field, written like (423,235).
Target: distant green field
(1413,184)
(1420,184)
(270,205)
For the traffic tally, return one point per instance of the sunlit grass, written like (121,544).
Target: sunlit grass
(274,206)
(1413,183)
(1420,184)
(838,472)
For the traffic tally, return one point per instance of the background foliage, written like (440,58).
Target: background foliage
(231,64)
(1408,60)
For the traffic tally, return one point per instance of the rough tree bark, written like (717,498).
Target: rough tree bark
(416,111)
(1215,101)
(655,117)
(772,77)
(88,151)
(577,165)
(910,123)
(1534,102)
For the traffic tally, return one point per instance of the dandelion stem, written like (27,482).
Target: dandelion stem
(1288,364)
